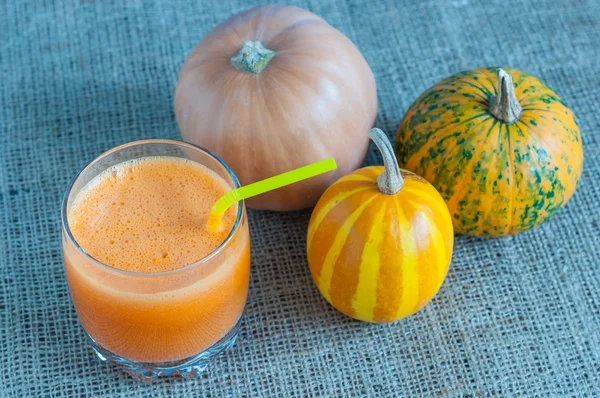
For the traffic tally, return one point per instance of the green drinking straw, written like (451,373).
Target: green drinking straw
(269,184)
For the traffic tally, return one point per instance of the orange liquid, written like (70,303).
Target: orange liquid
(148,217)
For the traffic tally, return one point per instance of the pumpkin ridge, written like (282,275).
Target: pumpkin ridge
(471,136)
(297,23)
(485,74)
(344,284)
(432,140)
(513,184)
(271,13)
(410,276)
(486,94)
(318,94)
(275,10)
(466,172)
(533,99)
(371,172)
(539,110)
(451,88)
(351,185)
(364,298)
(354,178)
(537,135)
(325,208)
(441,213)
(390,288)
(524,134)
(425,293)
(492,164)
(409,175)
(558,189)
(475,77)
(555,120)
(550,113)
(493,85)
(423,196)
(320,149)
(442,268)
(520,226)
(325,276)
(315,138)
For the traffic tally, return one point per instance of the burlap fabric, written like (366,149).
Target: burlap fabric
(515,316)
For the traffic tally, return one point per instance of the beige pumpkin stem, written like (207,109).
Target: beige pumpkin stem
(253,57)
(505,105)
(390,180)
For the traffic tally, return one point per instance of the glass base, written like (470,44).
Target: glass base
(147,372)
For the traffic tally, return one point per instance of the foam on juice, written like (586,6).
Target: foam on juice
(150,214)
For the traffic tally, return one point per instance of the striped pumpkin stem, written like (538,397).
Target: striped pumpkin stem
(505,105)
(390,180)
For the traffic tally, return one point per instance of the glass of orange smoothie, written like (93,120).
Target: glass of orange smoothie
(156,292)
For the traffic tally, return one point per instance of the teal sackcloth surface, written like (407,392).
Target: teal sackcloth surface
(517,316)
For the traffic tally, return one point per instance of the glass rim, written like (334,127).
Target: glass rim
(203,260)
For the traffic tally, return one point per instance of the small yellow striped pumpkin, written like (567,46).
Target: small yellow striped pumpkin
(380,241)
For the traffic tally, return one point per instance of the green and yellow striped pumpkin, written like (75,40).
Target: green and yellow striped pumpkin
(380,241)
(504,157)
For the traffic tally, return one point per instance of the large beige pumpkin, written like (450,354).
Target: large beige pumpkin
(276,88)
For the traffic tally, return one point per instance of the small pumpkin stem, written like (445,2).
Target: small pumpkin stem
(505,105)
(390,180)
(253,57)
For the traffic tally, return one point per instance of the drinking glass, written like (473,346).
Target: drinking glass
(163,323)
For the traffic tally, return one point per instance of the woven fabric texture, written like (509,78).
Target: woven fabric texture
(515,316)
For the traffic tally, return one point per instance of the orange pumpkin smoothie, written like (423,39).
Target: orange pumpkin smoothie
(149,282)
